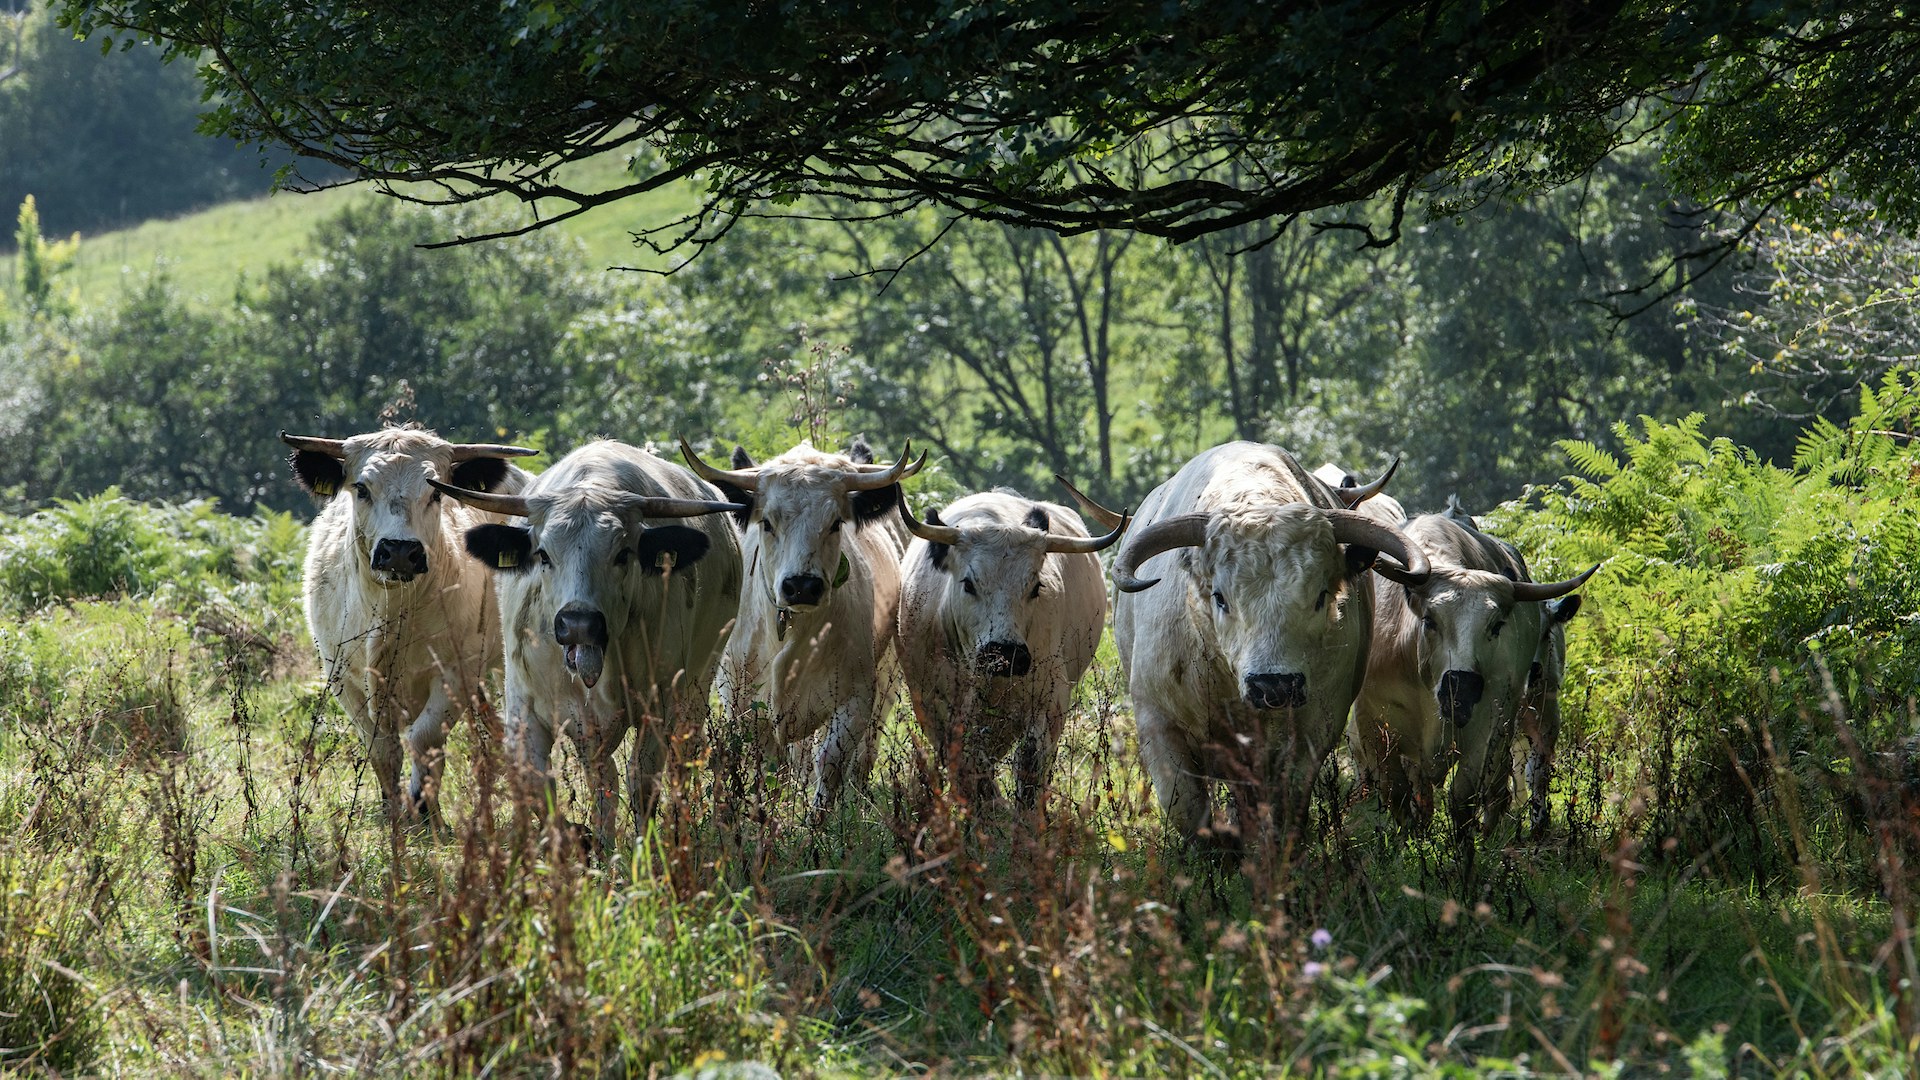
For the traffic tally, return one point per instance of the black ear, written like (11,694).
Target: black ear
(321,475)
(741,459)
(686,546)
(480,474)
(501,547)
(1359,560)
(869,505)
(1563,609)
(860,452)
(936,553)
(1037,519)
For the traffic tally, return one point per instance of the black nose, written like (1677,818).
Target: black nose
(803,589)
(1005,658)
(1460,691)
(579,626)
(403,557)
(1277,691)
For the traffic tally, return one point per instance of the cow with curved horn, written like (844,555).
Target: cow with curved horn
(1001,611)
(405,627)
(1449,672)
(813,650)
(1244,649)
(615,598)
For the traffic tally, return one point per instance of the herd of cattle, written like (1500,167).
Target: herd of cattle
(620,590)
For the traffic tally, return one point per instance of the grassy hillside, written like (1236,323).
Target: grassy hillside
(212,251)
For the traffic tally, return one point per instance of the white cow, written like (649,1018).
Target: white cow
(1000,613)
(813,649)
(613,613)
(405,626)
(1244,662)
(1448,670)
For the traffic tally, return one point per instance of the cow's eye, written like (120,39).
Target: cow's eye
(1220,601)
(1494,630)
(967,584)
(542,556)
(1321,603)
(360,492)
(1035,593)
(837,522)
(1429,622)
(623,557)
(766,526)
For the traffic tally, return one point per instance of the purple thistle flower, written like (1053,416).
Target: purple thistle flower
(1321,938)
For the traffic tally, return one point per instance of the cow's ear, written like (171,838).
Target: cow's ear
(501,547)
(936,553)
(1359,560)
(1563,609)
(735,495)
(860,452)
(742,459)
(871,505)
(321,475)
(676,543)
(480,474)
(1037,519)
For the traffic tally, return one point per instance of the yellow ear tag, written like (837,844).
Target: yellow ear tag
(507,559)
(325,487)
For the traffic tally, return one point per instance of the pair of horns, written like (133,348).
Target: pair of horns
(337,448)
(1190,530)
(858,478)
(1057,543)
(654,506)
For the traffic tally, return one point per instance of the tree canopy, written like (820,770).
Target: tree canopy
(1173,119)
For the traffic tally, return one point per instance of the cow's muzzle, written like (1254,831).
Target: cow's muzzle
(1274,691)
(403,559)
(1459,692)
(1004,658)
(803,590)
(582,633)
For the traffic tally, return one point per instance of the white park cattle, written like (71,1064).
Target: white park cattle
(1001,609)
(405,626)
(1244,662)
(813,648)
(613,614)
(1449,667)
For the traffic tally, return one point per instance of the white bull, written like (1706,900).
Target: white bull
(814,640)
(1244,662)
(405,626)
(1001,611)
(1448,670)
(613,613)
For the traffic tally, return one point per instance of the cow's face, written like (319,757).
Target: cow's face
(1476,642)
(995,579)
(588,553)
(800,517)
(1276,585)
(397,515)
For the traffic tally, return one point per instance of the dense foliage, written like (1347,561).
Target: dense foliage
(1175,120)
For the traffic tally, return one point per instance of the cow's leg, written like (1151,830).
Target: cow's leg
(385,713)
(529,739)
(648,757)
(1543,737)
(426,739)
(599,741)
(1173,762)
(838,748)
(1033,760)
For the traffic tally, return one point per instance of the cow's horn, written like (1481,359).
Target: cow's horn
(1087,545)
(932,534)
(1094,510)
(333,448)
(1551,590)
(469,451)
(744,479)
(512,505)
(1187,530)
(661,506)
(1354,496)
(898,471)
(1353,527)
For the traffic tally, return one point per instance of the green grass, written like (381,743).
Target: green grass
(212,252)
